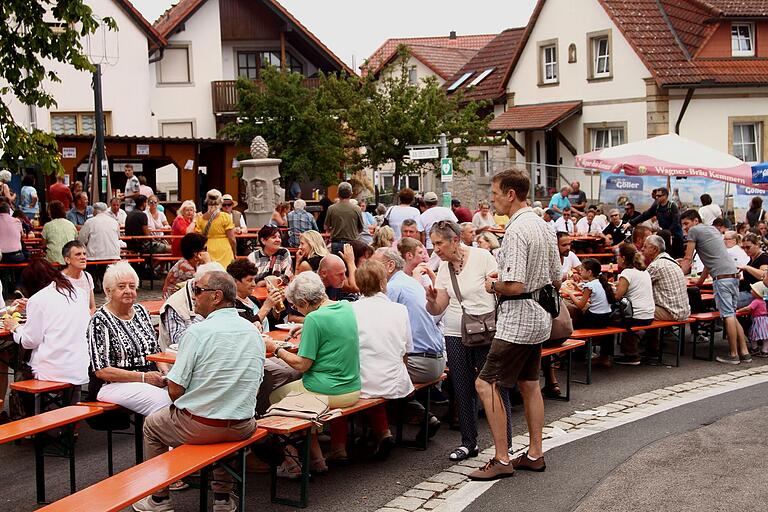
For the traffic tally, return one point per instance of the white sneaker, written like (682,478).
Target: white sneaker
(149,505)
(229,505)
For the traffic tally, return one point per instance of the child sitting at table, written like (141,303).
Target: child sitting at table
(593,308)
(758,331)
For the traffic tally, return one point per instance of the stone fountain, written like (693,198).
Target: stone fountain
(263,192)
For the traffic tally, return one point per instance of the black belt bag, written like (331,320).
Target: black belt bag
(547,297)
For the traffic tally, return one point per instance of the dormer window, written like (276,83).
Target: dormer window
(743,40)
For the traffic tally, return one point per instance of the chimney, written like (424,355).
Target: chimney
(452,35)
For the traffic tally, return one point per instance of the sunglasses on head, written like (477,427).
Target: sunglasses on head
(153,202)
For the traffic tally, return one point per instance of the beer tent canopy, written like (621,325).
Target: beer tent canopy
(671,156)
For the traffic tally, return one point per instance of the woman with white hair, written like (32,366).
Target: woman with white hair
(489,242)
(5,189)
(120,337)
(183,223)
(483,219)
(329,355)
(219,228)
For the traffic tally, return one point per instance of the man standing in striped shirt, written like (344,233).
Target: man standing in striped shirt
(528,261)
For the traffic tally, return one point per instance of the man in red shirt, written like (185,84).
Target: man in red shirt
(60,192)
(461,213)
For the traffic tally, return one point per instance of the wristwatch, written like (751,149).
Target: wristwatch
(277,350)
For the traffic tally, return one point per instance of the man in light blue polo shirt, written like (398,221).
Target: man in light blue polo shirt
(560,200)
(213,385)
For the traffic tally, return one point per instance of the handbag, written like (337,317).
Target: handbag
(476,330)
(306,406)
(621,311)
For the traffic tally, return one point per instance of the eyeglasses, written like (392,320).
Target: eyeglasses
(228,204)
(197,290)
(153,202)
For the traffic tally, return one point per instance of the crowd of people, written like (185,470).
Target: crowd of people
(380,303)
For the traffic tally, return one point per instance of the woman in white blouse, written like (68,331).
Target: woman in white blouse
(483,220)
(55,331)
(471,266)
(633,283)
(156,218)
(384,332)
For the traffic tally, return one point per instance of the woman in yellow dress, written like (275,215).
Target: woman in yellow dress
(218,227)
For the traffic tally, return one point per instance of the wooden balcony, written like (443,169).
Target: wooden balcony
(224,94)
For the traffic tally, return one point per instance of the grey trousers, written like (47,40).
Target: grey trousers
(425,369)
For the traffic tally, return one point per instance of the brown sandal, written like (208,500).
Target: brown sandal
(551,390)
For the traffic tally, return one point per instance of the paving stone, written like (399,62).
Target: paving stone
(573,420)
(561,424)
(432,486)
(739,373)
(679,388)
(419,493)
(637,400)
(448,493)
(388,509)
(612,407)
(449,479)
(520,440)
(725,376)
(618,406)
(647,396)
(462,470)
(405,503)
(432,504)
(485,457)
(472,463)
(625,403)
(664,392)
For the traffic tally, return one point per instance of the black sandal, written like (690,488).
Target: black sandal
(462,453)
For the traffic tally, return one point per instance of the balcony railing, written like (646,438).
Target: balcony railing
(224,93)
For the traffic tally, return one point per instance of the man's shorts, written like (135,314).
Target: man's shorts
(508,363)
(726,296)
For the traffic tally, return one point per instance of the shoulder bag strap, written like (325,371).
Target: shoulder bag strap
(456,290)
(210,221)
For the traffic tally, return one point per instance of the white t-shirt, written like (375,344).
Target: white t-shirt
(385,337)
(56,333)
(85,283)
(561,225)
(433,215)
(640,293)
(598,301)
(471,281)
(482,222)
(101,236)
(397,214)
(597,227)
(155,223)
(709,213)
(569,262)
(119,216)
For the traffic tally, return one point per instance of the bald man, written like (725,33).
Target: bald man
(578,199)
(333,273)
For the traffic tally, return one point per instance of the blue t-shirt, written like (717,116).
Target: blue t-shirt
(559,201)
(598,302)
(27,194)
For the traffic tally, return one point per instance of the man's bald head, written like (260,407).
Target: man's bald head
(332,271)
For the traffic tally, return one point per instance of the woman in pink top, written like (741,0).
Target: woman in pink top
(11,232)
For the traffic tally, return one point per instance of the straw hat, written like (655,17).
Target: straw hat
(758,288)
(228,197)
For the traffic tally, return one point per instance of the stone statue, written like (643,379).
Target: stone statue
(278,191)
(255,200)
(259,148)
(262,184)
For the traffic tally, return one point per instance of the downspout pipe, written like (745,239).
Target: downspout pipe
(158,57)
(686,102)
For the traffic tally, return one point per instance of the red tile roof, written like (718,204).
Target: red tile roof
(152,34)
(644,26)
(498,55)
(387,51)
(184,9)
(542,116)
(737,8)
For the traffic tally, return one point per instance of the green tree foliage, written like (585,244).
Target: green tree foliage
(348,123)
(301,125)
(396,114)
(27,43)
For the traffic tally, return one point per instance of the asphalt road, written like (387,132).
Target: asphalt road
(707,455)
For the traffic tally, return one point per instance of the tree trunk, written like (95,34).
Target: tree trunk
(396,181)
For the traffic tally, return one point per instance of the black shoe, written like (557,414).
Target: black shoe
(437,397)
(463,453)
(384,448)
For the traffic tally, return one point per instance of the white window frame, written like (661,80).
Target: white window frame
(738,39)
(757,142)
(598,57)
(413,75)
(550,50)
(190,75)
(79,125)
(615,137)
(485,163)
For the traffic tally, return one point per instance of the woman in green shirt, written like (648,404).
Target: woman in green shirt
(329,354)
(57,232)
